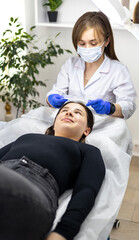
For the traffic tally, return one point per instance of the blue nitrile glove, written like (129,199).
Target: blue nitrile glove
(56,100)
(100,106)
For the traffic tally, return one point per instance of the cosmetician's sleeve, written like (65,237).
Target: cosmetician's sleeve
(4,150)
(61,85)
(85,190)
(125,92)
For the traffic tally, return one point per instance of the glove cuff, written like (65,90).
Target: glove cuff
(112,109)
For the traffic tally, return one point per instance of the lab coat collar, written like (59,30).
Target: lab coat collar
(103,69)
(105,66)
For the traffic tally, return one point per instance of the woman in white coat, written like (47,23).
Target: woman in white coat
(96,74)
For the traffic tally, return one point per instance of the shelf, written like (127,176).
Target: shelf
(57,24)
(67,14)
(70,25)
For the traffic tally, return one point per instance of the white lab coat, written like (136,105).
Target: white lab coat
(111,82)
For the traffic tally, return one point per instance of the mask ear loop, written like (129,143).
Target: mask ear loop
(102,46)
(106,40)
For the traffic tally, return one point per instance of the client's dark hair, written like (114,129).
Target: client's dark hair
(90,120)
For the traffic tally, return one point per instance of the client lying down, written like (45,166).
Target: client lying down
(37,168)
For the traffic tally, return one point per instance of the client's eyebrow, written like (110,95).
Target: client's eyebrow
(76,109)
(65,108)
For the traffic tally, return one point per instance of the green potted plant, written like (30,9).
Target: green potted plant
(20,62)
(53,5)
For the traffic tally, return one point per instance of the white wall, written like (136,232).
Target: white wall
(8,8)
(127,48)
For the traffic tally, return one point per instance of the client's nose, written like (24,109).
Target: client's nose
(69,113)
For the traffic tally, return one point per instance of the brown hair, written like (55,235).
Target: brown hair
(100,22)
(90,120)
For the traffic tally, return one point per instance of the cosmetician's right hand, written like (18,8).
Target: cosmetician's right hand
(56,100)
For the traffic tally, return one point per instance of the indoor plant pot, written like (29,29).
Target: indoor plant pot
(52,16)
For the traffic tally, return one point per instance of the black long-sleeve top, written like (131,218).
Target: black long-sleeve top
(73,165)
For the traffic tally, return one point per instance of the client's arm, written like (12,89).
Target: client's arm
(85,190)
(5,150)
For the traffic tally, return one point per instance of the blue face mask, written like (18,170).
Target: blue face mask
(90,54)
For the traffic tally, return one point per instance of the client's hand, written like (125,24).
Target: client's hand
(55,236)
(100,106)
(56,100)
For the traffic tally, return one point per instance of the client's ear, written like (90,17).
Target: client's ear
(87,131)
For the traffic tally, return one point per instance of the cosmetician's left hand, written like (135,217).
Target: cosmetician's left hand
(100,106)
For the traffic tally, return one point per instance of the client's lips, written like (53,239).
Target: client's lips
(67,120)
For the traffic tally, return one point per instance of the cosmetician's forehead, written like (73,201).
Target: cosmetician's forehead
(95,34)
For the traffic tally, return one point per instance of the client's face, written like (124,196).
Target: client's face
(71,122)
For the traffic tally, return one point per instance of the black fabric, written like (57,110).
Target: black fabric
(28,200)
(73,165)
